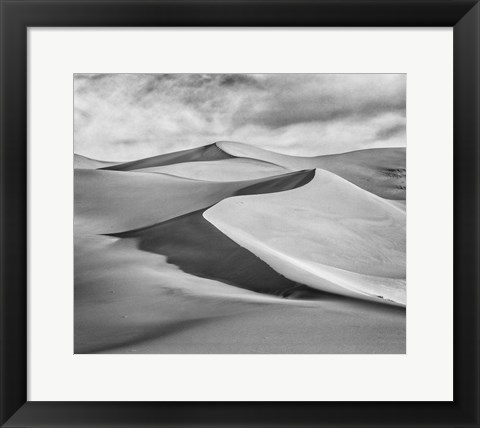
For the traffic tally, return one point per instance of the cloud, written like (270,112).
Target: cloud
(392,131)
(128,116)
(311,98)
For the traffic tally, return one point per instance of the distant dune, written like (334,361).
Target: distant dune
(206,153)
(344,240)
(233,169)
(82,162)
(380,171)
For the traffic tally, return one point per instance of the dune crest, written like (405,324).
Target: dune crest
(345,240)
(205,153)
(118,201)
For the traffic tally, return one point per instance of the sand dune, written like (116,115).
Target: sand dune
(220,170)
(380,171)
(175,281)
(82,162)
(206,153)
(344,240)
(112,201)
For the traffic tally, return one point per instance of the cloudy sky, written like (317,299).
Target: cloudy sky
(129,116)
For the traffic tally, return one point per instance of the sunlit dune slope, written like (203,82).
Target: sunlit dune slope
(206,153)
(329,234)
(82,162)
(112,201)
(221,170)
(380,171)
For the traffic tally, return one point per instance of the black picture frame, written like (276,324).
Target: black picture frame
(18,15)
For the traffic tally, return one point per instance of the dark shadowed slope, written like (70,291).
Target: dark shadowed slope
(280,183)
(206,153)
(199,248)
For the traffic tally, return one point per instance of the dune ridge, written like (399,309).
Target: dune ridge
(210,152)
(118,201)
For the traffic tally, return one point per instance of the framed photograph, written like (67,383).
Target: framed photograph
(239,213)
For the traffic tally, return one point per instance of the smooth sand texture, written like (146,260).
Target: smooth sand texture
(221,170)
(344,240)
(380,171)
(82,162)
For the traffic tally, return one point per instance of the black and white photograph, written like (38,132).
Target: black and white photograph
(239,213)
